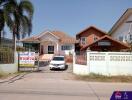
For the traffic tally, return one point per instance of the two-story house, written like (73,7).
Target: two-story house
(95,39)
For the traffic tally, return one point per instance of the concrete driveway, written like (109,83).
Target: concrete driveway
(59,85)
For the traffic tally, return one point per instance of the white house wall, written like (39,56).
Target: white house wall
(122,30)
(49,43)
(49,40)
(67,52)
(48,37)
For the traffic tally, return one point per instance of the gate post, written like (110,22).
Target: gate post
(88,60)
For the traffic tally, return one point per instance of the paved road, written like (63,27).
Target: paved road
(56,86)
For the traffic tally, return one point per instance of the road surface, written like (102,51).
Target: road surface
(56,86)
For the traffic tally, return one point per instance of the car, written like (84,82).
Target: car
(58,62)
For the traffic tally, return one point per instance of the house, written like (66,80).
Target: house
(95,39)
(50,42)
(122,29)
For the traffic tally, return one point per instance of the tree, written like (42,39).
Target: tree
(18,17)
(2,20)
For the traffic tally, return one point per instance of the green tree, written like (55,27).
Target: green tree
(18,17)
(2,20)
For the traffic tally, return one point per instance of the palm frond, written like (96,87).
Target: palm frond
(27,6)
(26,26)
(8,11)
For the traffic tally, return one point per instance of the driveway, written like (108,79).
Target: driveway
(59,85)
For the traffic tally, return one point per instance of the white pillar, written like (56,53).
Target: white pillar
(40,48)
(57,48)
(88,60)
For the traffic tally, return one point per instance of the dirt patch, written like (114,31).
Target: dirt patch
(101,78)
(5,76)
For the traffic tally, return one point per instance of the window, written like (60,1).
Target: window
(130,37)
(95,38)
(121,38)
(83,40)
(50,49)
(66,47)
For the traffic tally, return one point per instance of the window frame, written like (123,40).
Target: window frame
(95,38)
(121,38)
(82,41)
(66,47)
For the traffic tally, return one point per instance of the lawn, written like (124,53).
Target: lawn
(101,78)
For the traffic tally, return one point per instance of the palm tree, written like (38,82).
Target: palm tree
(2,20)
(1,23)
(18,17)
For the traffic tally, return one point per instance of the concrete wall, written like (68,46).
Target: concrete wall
(9,68)
(105,63)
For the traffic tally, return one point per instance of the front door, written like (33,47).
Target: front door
(50,49)
(42,49)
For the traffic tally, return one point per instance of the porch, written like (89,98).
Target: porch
(49,47)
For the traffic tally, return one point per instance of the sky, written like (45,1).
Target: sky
(72,16)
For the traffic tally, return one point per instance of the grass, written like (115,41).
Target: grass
(4,76)
(101,78)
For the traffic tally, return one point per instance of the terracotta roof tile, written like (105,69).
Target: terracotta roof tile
(64,38)
(108,37)
(103,32)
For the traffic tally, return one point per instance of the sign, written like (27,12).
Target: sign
(104,43)
(121,95)
(26,59)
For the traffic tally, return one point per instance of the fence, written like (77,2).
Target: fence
(6,51)
(81,58)
(105,63)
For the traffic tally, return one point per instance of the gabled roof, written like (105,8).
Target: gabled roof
(63,37)
(125,15)
(93,27)
(107,38)
(45,32)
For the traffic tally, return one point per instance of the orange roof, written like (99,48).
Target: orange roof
(103,32)
(63,37)
(103,37)
(30,39)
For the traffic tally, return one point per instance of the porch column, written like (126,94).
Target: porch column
(39,48)
(57,48)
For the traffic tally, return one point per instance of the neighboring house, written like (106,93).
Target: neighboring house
(50,42)
(122,29)
(95,39)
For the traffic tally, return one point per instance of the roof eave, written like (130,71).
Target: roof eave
(119,21)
